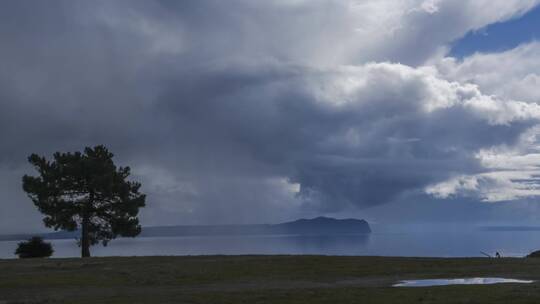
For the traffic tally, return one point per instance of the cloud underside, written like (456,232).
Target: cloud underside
(231,110)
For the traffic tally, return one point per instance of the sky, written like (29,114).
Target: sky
(240,111)
(500,36)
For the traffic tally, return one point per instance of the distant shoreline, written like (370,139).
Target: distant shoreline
(510,228)
(315,226)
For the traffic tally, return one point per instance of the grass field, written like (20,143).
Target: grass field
(261,279)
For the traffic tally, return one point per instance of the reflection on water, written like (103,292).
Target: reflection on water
(469,281)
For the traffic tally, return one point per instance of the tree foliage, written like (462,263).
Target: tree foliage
(34,248)
(86,191)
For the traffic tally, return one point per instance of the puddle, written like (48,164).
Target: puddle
(468,281)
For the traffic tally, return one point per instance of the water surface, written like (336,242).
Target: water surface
(465,281)
(421,243)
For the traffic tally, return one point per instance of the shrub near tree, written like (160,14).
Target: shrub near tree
(86,192)
(34,248)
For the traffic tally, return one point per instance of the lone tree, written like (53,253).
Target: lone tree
(86,191)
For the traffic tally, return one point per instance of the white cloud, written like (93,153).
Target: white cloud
(511,173)
(510,74)
(430,6)
(512,169)
(490,187)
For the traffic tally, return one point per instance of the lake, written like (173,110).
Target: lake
(463,243)
(462,281)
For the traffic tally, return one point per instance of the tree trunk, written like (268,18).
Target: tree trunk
(85,241)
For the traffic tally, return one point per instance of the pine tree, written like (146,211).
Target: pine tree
(86,192)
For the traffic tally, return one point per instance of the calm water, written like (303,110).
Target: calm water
(467,281)
(434,244)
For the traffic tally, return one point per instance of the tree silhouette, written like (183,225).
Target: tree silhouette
(86,191)
(34,248)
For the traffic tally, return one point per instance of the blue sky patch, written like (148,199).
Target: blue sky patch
(500,36)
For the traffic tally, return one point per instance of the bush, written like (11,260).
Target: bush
(535,254)
(34,248)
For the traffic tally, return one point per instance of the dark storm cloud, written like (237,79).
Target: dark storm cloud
(235,111)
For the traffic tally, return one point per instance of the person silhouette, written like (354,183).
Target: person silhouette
(497,254)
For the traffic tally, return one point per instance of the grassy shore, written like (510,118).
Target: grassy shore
(261,279)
